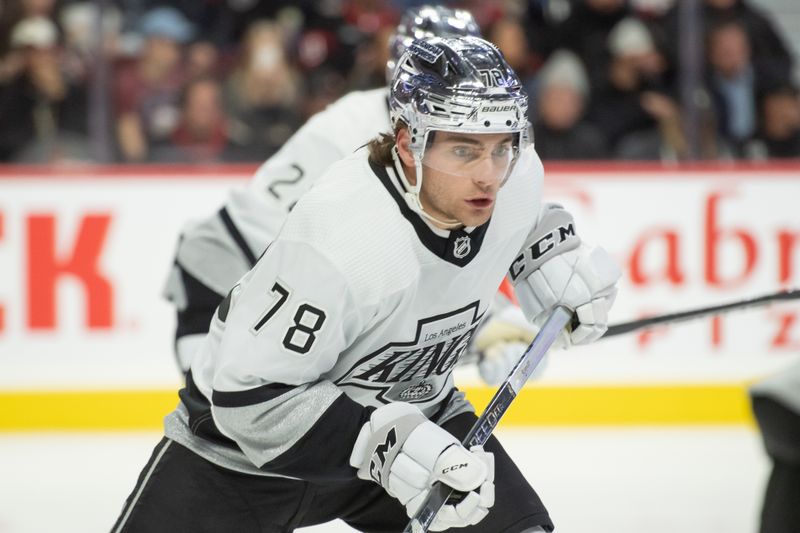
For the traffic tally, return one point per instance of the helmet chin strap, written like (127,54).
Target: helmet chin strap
(411,195)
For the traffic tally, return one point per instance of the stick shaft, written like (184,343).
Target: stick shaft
(501,401)
(634,325)
(499,404)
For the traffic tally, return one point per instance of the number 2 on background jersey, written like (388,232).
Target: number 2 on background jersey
(288,200)
(307,322)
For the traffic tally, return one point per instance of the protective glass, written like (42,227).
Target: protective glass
(485,157)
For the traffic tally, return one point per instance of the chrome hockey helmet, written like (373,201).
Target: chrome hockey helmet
(428,21)
(461,85)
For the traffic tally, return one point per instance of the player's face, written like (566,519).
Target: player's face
(462,174)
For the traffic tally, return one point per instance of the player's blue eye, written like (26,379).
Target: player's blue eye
(501,150)
(464,152)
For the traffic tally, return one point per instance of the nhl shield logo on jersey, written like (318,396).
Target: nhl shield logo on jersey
(416,370)
(462,246)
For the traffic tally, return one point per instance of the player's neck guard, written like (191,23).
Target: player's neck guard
(411,193)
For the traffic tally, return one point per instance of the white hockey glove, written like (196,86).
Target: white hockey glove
(555,267)
(502,341)
(404,452)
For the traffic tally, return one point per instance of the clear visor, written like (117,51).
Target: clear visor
(481,157)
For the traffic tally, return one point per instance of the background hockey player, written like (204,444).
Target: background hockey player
(776,406)
(214,253)
(324,388)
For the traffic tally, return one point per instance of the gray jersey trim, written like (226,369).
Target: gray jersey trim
(457,405)
(266,430)
(176,427)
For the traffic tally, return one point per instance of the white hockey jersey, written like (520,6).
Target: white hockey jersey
(358,302)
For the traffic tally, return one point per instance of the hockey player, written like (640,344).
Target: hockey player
(213,254)
(776,406)
(324,389)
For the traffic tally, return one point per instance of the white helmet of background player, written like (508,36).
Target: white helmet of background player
(460,85)
(428,21)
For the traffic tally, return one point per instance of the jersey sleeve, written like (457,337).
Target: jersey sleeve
(258,211)
(279,331)
(327,137)
(286,176)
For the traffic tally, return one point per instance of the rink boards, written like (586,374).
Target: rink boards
(86,340)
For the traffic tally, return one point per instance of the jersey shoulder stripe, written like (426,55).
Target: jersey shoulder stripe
(237,236)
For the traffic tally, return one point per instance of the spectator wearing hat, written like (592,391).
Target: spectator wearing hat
(36,97)
(633,108)
(14,11)
(586,29)
(35,32)
(147,91)
(559,129)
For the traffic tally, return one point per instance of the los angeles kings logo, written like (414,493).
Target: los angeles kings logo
(416,370)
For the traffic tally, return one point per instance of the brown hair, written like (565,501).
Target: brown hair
(380,149)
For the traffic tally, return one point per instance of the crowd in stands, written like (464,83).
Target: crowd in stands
(230,80)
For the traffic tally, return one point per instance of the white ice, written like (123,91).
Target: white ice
(655,480)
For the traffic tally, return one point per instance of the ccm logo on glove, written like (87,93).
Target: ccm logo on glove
(403,451)
(540,247)
(453,468)
(379,455)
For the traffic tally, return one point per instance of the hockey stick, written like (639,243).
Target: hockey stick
(480,431)
(634,325)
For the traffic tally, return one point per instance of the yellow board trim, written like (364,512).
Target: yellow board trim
(725,404)
(625,405)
